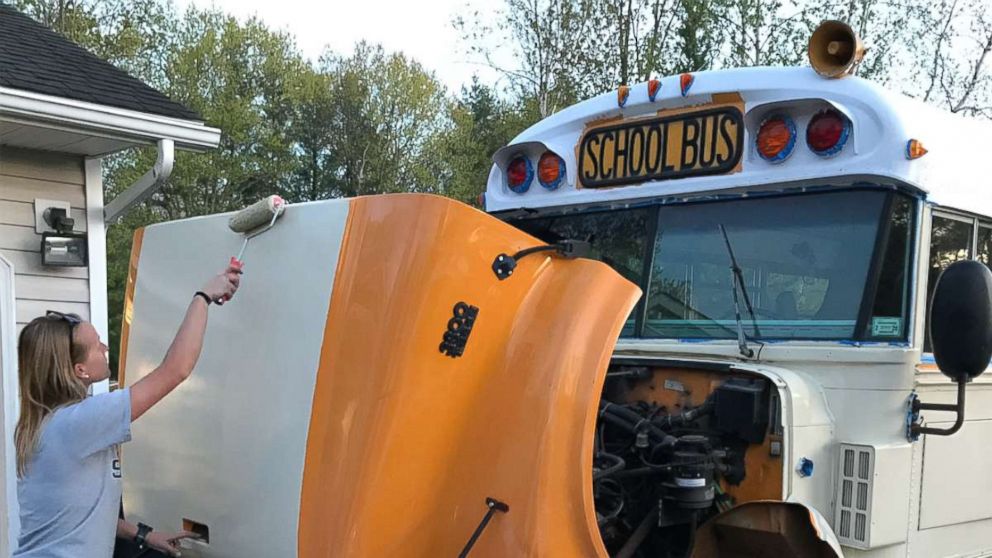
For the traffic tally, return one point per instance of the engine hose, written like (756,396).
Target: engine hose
(617,421)
(621,411)
(685,417)
(631,421)
(637,537)
(642,471)
(603,519)
(655,425)
(617,466)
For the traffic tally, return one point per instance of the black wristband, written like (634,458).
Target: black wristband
(205,297)
(141,538)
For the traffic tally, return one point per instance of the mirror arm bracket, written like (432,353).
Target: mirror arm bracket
(917,429)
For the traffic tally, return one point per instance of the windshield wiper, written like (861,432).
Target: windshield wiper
(739,283)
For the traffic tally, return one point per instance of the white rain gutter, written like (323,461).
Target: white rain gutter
(101,120)
(93,119)
(147,185)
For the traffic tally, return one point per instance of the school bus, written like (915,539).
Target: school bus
(776,383)
(745,371)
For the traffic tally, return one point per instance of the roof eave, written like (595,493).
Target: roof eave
(106,121)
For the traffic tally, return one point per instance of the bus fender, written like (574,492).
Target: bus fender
(767,528)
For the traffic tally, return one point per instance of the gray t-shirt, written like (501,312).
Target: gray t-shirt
(70,496)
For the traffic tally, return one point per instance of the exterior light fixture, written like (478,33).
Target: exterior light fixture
(62,248)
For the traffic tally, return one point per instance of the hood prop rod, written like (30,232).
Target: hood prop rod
(494,506)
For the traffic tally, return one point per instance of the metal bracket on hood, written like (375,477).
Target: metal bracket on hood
(504,264)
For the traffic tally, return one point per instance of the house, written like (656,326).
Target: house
(62,110)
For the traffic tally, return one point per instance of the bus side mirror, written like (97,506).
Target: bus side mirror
(961,333)
(961,320)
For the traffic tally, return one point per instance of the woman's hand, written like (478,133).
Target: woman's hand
(168,543)
(222,287)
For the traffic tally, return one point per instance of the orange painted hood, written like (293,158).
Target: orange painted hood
(406,443)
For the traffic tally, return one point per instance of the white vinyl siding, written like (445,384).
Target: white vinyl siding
(26,175)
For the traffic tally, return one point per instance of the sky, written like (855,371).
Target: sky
(420,29)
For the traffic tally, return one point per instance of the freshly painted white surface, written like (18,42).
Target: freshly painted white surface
(261,352)
(883,122)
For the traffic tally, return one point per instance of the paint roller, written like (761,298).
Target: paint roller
(253,221)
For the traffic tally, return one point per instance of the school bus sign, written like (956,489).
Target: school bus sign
(695,143)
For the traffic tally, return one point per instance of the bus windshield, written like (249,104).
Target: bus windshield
(828,265)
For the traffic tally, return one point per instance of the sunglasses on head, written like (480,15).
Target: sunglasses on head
(73,319)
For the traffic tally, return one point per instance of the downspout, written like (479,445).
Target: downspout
(147,185)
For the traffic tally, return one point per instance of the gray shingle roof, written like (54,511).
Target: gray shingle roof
(35,58)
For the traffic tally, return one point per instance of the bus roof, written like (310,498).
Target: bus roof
(882,124)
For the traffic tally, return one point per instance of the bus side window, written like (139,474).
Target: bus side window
(985,244)
(950,241)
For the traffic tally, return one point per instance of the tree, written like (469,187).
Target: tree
(551,40)
(763,32)
(566,50)
(481,123)
(959,75)
(384,111)
(313,109)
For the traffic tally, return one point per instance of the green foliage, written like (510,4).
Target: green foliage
(384,111)
(481,123)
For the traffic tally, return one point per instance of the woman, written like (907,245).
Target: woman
(69,485)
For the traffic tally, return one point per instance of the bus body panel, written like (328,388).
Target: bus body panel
(326,418)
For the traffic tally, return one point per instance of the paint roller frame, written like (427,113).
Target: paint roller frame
(252,221)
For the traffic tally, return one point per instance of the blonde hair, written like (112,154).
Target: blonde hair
(46,352)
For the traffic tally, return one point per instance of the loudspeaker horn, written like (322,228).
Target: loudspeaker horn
(835,49)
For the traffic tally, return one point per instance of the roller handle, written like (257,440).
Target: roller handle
(236,263)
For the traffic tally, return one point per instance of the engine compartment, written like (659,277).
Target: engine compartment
(675,446)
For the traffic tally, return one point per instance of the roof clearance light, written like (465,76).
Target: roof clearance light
(915,149)
(827,133)
(686,81)
(654,86)
(622,94)
(776,138)
(550,170)
(519,174)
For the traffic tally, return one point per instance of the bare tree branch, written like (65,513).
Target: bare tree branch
(938,50)
(976,74)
